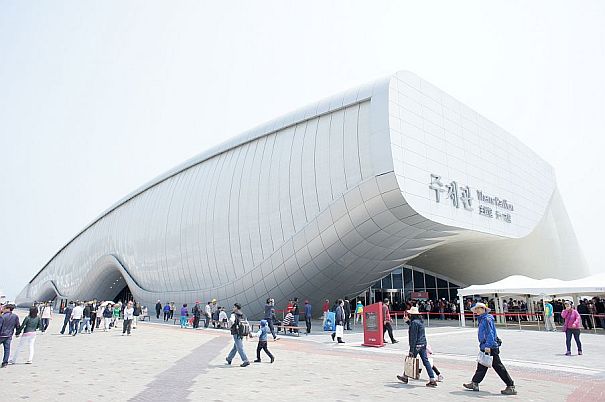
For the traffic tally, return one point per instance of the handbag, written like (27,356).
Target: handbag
(340,331)
(485,359)
(411,368)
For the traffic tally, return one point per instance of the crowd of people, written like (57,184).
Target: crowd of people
(85,317)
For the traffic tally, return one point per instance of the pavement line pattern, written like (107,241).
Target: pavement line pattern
(173,384)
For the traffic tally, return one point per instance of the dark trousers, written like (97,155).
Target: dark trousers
(388,327)
(262,345)
(586,321)
(6,342)
(196,321)
(126,326)
(66,322)
(157,314)
(348,321)
(93,319)
(497,366)
(576,335)
(308,322)
(166,315)
(45,322)
(271,326)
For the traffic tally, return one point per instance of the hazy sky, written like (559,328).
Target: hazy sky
(97,98)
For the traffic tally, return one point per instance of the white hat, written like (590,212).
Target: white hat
(413,310)
(487,309)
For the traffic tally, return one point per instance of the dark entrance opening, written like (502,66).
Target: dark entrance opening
(124,296)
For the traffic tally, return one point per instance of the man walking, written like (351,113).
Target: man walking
(207,314)
(489,344)
(9,323)
(386,316)
(67,318)
(270,316)
(308,315)
(76,316)
(237,331)
(158,310)
(347,308)
(340,319)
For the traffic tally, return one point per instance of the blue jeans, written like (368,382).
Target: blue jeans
(421,350)
(238,347)
(85,324)
(7,348)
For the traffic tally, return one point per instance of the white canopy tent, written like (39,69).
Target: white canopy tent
(523,285)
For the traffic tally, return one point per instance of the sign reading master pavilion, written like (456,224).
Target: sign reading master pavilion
(488,205)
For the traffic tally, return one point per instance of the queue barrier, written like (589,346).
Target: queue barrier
(520,320)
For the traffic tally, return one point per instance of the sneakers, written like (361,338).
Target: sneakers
(333,335)
(228,361)
(568,354)
(11,362)
(579,353)
(28,362)
(431,384)
(272,359)
(472,386)
(276,338)
(340,341)
(402,378)
(257,361)
(509,390)
(440,378)
(245,364)
(4,365)
(395,341)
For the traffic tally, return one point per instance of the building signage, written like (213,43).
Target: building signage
(419,295)
(461,196)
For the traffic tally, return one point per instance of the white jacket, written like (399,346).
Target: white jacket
(77,313)
(128,313)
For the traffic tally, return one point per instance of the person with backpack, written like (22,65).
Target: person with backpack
(262,342)
(240,328)
(30,324)
(197,314)
(489,343)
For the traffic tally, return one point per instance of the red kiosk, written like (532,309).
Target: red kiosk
(373,322)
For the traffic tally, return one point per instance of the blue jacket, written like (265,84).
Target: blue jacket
(10,322)
(416,334)
(487,332)
(308,310)
(263,331)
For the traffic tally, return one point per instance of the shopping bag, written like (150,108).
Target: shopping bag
(485,359)
(411,367)
(330,324)
(340,331)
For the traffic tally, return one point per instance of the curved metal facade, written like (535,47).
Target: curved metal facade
(322,203)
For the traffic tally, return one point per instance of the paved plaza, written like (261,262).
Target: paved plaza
(166,363)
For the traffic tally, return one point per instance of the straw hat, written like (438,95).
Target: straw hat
(487,309)
(413,310)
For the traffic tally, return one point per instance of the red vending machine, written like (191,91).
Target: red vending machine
(372,325)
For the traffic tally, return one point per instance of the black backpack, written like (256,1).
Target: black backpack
(242,326)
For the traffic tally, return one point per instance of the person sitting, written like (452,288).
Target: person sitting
(288,320)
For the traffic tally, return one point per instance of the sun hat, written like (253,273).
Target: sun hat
(487,309)
(413,310)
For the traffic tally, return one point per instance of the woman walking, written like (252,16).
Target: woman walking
(29,326)
(417,338)
(489,343)
(571,327)
(184,315)
(107,314)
